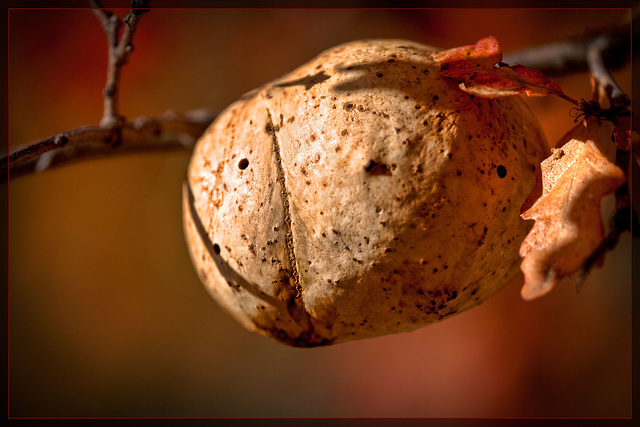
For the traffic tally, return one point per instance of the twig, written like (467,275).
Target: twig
(625,218)
(119,52)
(595,61)
(171,131)
(114,135)
(570,55)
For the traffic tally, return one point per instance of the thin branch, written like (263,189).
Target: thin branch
(595,60)
(570,55)
(119,52)
(102,15)
(624,218)
(553,58)
(171,131)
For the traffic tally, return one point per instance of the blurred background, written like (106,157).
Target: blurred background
(107,317)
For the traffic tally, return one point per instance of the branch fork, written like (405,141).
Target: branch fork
(114,135)
(119,53)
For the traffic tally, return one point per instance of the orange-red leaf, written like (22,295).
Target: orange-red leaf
(568,224)
(459,62)
(479,71)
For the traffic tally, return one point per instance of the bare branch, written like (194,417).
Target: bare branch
(570,55)
(102,15)
(624,218)
(114,135)
(171,131)
(595,60)
(553,58)
(119,52)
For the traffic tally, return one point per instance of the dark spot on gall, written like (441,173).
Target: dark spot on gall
(374,168)
(242,164)
(502,171)
(216,248)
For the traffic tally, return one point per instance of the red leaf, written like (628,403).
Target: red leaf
(568,224)
(537,83)
(465,60)
(474,66)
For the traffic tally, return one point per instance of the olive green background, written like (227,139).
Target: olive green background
(107,317)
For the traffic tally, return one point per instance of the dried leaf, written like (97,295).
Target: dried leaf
(460,62)
(568,224)
(625,134)
(479,70)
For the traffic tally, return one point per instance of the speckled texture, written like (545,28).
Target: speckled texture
(362,194)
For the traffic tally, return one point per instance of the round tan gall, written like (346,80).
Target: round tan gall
(362,194)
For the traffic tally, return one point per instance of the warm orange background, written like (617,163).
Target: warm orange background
(108,318)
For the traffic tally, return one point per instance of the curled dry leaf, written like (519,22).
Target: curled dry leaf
(479,70)
(462,62)
(625,133)
(568,225)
